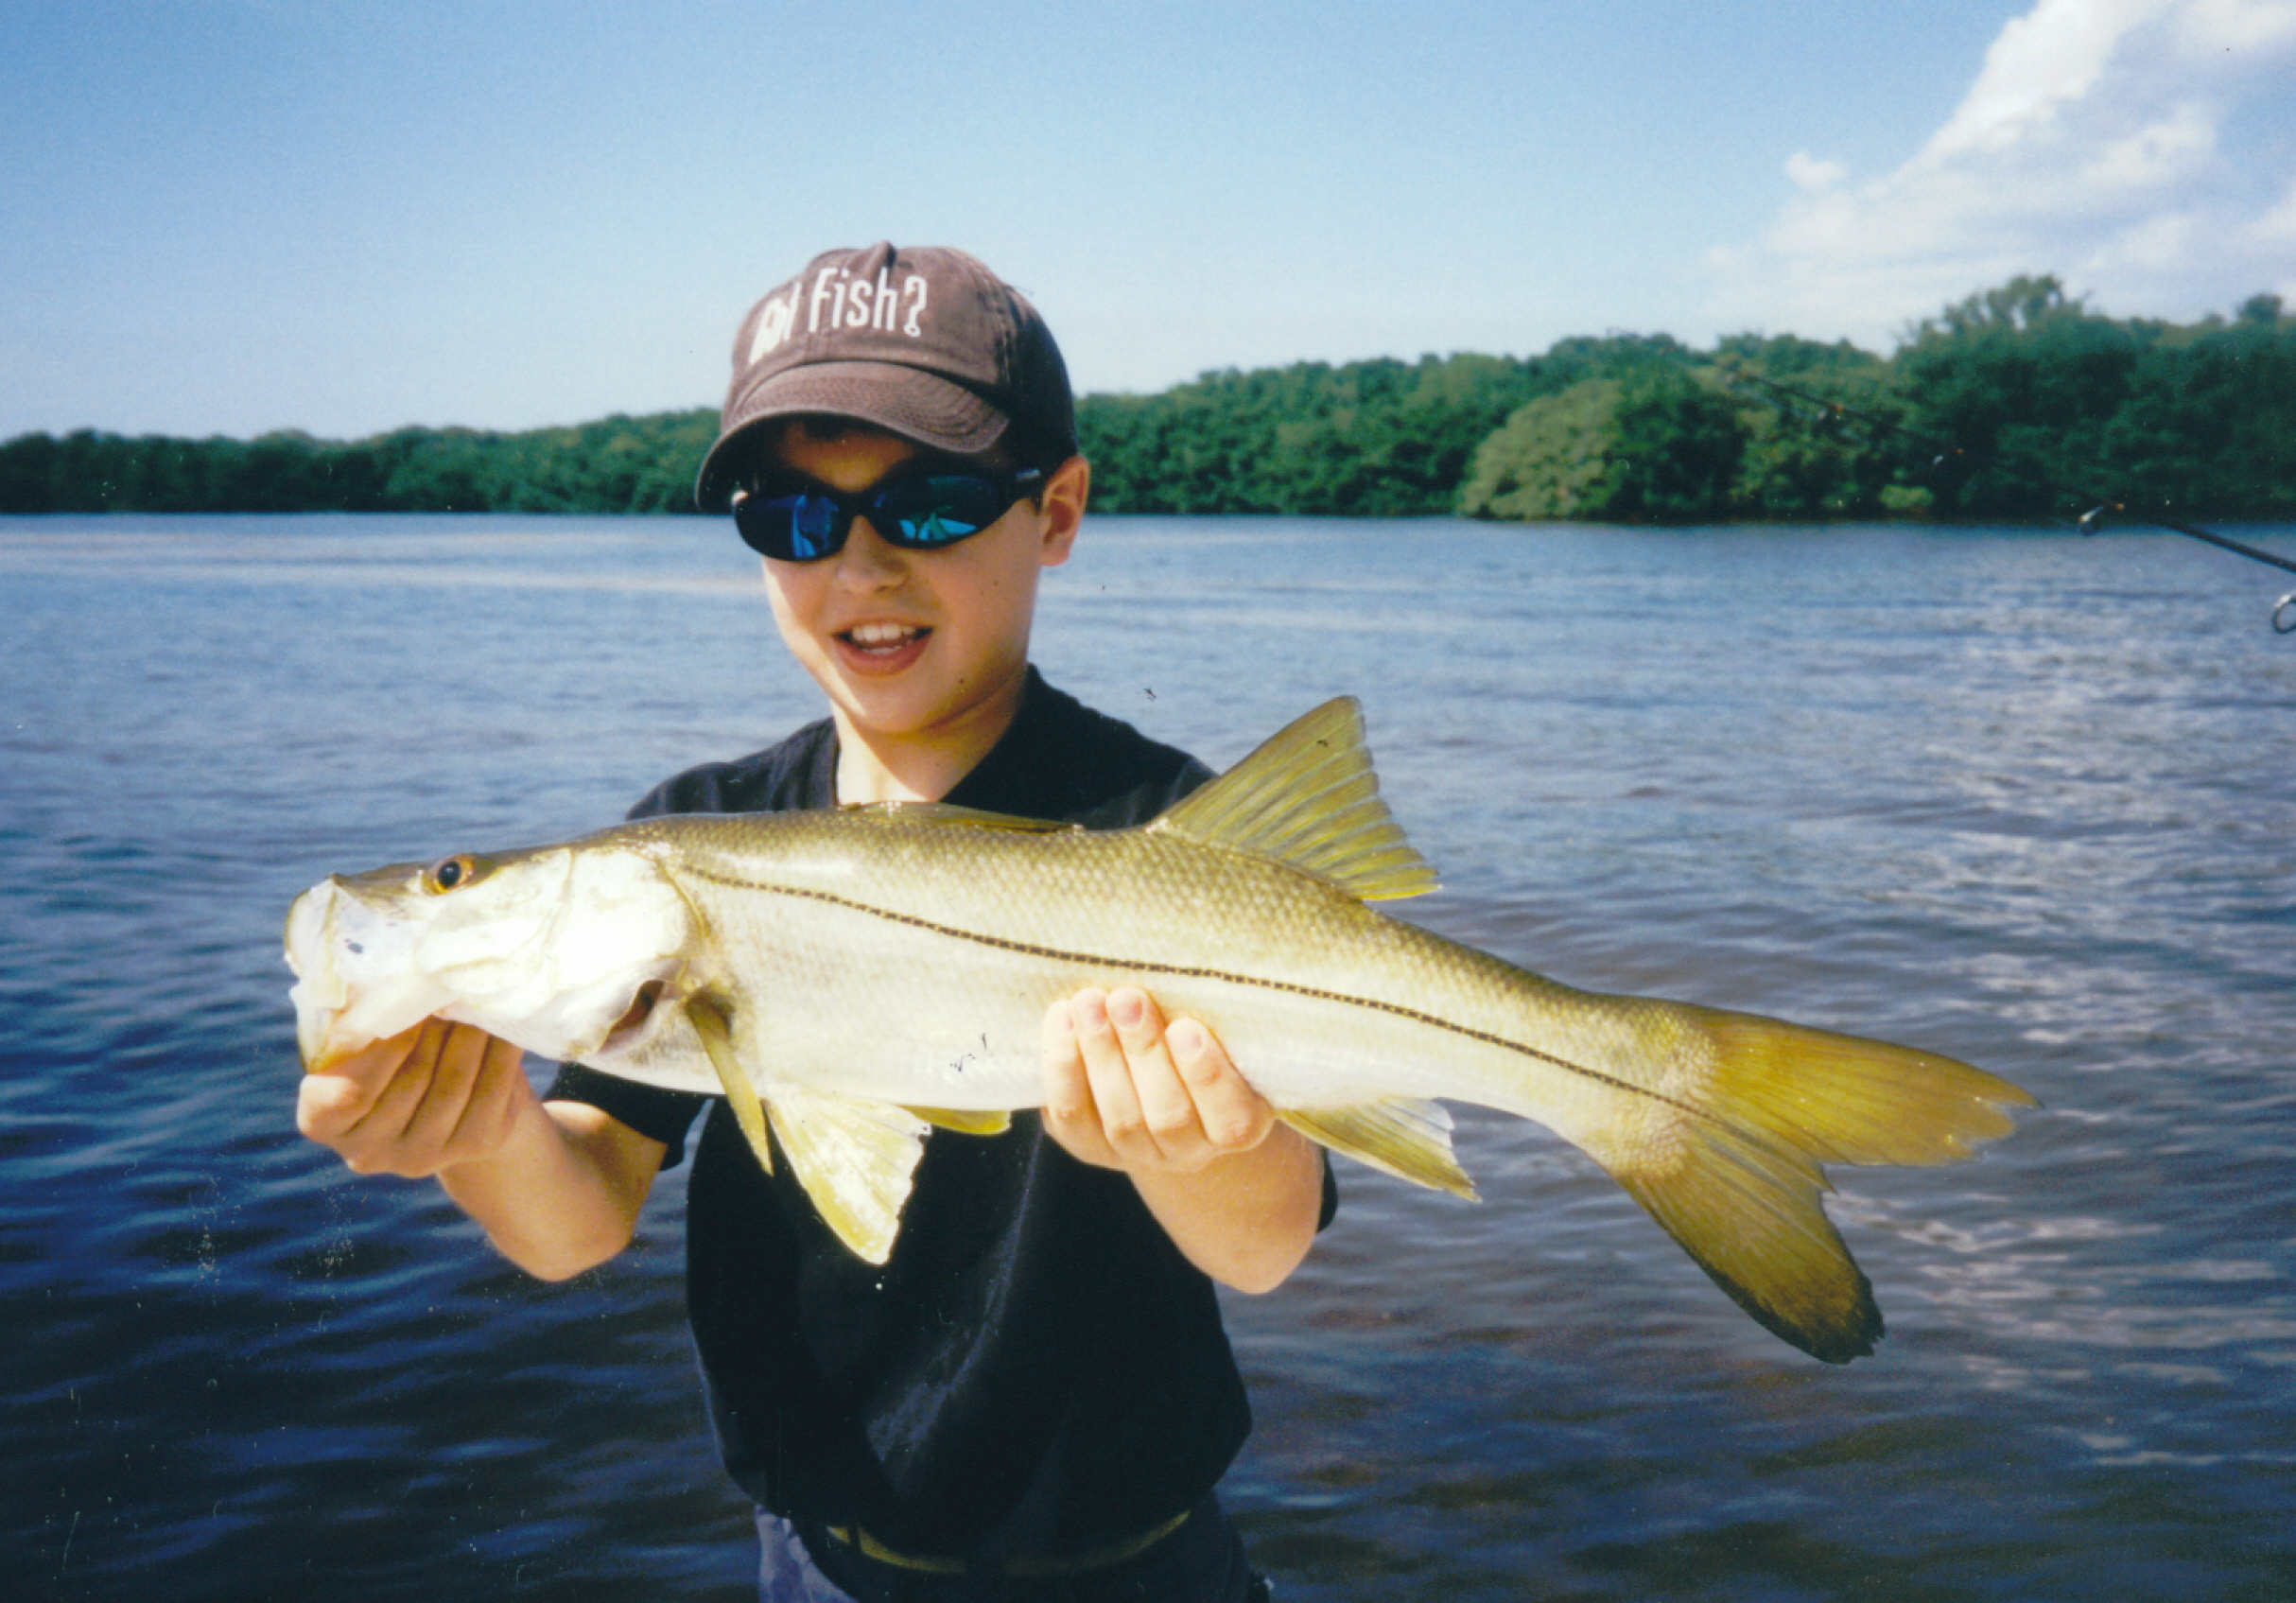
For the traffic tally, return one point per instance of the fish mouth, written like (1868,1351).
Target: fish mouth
(340,942)
(319,994)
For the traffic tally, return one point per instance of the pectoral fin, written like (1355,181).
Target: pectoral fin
(1408,1140)
(854,1158)
(717,1036)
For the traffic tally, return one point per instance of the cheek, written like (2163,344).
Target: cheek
(790,586)
(988,599)
(1003,579)
(791,596)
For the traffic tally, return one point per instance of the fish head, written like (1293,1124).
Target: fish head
(549,947)
(349,941)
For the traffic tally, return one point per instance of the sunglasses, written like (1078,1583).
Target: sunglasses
(920,507)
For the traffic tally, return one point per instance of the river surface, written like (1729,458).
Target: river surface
(2020,798)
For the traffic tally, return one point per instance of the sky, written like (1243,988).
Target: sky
(228,216)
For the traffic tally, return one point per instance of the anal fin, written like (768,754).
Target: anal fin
(854,1158)
(966,1122)
(1399,1136)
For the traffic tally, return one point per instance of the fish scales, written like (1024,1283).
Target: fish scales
(848,979)
(1325,999)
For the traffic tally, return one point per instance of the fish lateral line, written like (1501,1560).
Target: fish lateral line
(1724,1146)
(1181,971)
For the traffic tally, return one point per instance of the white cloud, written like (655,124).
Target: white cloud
(2135,147)
(2174,149)
(2278,226)
(1810,173)
(2042,62)
(2157,243)
(2208,26)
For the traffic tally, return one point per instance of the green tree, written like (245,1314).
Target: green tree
(1554,458)
(1680,446)
(2000,404)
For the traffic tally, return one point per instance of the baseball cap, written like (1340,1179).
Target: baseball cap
(924,342)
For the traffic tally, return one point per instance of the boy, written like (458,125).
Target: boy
(1034,1396)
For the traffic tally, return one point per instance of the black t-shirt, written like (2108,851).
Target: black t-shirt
(1037,1363)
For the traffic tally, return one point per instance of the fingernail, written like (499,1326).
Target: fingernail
(1127,1007)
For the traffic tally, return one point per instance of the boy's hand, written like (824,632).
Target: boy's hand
(419,1102)
(1125,1090)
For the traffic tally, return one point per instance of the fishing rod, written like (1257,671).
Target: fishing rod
(2101,506)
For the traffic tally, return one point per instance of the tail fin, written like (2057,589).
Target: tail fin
(1739,1184)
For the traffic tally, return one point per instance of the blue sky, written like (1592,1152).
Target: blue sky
(232,216)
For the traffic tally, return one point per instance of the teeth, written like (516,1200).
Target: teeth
(880,634)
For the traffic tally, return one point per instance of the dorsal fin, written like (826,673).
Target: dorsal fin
(942,812)
(1309,797)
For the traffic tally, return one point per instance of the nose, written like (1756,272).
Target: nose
(869,563)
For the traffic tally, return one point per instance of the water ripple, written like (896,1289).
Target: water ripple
(2011,797)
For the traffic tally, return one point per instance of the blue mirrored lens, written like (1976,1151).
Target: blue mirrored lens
(921,511)
(940,508)
(812,527)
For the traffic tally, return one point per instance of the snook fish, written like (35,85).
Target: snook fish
(849,980)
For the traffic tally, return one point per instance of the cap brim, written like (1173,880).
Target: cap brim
(919,407)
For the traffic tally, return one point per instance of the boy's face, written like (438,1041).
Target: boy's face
(916,645)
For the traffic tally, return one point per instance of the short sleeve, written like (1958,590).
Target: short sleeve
(657,1114)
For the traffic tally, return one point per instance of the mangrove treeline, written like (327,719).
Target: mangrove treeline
(2018,402)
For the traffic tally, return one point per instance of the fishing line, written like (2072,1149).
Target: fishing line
(1832,414)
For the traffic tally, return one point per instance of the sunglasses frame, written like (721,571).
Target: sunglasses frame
(785,492)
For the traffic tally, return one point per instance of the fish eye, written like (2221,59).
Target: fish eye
(450,873)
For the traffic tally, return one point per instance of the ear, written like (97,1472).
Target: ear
(1063,509)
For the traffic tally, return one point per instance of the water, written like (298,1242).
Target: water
(2022,798)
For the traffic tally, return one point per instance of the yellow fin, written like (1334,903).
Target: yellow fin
(1408,1140)
(854,1158)
(1308,797)
(1748,1215)
(942,812)
(966,1122)
(717,1036)
(1739,1187)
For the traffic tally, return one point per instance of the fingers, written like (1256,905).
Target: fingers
(1144,1110)
(1126,1091)
(332,1100)
(501,1095)
(1232,1114)
(437,1095)
(1070,1116)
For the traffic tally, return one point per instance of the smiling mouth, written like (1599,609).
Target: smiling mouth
(882,639)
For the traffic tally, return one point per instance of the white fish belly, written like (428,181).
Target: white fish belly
(908,1005)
